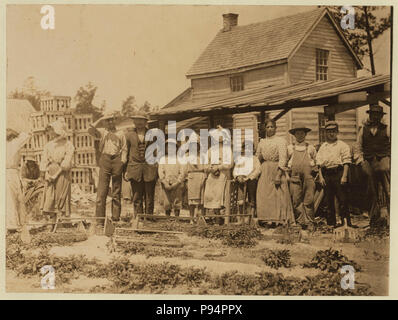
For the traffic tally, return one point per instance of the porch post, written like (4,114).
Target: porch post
(329,113)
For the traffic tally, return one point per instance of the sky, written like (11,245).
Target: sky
(139,50)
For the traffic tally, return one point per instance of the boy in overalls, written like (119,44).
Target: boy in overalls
(302,185)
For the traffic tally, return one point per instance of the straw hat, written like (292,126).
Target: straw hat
(299,126)
(140,115)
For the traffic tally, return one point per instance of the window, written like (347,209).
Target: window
(321,126)
(322,57)
(236,83)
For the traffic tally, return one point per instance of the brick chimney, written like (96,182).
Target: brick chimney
(230,20)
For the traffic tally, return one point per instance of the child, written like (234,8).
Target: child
(171,177)
(333,158)
(302,185)
(196,177)
(246,172)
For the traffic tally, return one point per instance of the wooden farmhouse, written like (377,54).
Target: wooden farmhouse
(296,69)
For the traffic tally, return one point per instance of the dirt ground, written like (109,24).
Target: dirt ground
(372,255)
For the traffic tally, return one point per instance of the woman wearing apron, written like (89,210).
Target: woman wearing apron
(219,171)
(55,166)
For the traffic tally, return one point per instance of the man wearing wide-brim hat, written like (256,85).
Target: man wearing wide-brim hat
(111,159)
(374,156)
(301,156)
(141,174)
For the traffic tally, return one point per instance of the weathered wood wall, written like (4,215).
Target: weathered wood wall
(216,86)
(302,64)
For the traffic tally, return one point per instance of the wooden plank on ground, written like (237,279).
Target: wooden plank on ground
(150,230)
(171,244)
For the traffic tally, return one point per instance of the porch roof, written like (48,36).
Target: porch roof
(340,94)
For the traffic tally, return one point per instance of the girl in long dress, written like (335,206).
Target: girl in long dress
(273,198)
(16,212)
(55,166)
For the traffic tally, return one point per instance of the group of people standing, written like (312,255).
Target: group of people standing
(278,187)
(277,181)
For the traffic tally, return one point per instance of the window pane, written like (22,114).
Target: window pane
(236,83)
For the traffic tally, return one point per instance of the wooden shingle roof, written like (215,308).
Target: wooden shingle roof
(258,43)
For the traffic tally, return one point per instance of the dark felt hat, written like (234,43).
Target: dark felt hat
(375,108)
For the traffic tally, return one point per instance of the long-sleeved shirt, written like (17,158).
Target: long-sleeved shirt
(331,155)
(111,143)
(273,149)
(58,151)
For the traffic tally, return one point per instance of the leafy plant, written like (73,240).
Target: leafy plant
(231,235)
(331,261)
(265,283)
(151,251)
(277,258)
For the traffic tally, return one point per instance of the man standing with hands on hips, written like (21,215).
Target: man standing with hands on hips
(112,160)
(333,158)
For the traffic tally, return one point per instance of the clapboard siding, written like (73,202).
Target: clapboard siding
(246,121)
(282,124)
(215,86)
(341,63)
(301,67)
(210,87)
(271,76)
(309,116)
(203,124)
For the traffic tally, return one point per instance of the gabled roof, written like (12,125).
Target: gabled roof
(18,114)
(261,43)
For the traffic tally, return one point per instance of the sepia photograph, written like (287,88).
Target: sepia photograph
(198,150)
